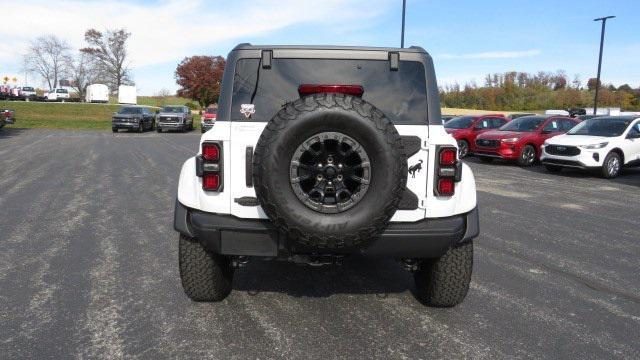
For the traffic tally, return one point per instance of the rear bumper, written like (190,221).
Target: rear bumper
(229,235)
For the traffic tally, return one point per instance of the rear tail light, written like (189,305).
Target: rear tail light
(211,182)
(210,151)
(308,89)
(209,166)
(446,186)
(448,171)
(448,156)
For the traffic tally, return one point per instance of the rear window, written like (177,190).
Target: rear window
(400,95)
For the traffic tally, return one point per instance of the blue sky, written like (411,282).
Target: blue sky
(467,39)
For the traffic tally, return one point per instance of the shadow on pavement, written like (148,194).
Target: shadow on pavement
(9,132)
(357,275)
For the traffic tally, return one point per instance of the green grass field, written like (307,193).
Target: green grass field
(71,115)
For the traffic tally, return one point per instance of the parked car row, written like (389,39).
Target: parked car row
(605,143)
(141,118)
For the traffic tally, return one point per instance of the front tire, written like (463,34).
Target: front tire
(611,165)
(527,156)
(205,276)
(444,282)
(159,129)
(115,130)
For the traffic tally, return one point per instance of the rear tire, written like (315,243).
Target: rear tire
(115,130)
(205,276)
(486,159)
(611,165)
(444,282)
(527,156)
(553,168)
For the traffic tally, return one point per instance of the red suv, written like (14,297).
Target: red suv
(520,139)
(465,129)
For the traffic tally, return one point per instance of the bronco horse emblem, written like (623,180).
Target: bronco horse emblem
(415,168)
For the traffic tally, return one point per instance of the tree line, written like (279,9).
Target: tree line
(521,91)
(104,59)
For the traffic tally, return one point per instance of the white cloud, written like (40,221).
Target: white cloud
(169,30)
(492,55)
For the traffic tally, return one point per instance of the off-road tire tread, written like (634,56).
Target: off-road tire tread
(205,276)
(444,282)
(310,103)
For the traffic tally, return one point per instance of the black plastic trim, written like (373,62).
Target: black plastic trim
(412,144)
(394,61)
(267,55)
(229,235)
(248,166)
(409,200)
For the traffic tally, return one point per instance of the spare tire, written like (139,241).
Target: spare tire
(329,171)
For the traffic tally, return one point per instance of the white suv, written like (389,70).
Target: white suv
(323,152)
(605,144)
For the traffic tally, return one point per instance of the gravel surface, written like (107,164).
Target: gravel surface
(88,268)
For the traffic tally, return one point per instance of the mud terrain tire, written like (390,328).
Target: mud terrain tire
(444,282)
(205,276)
(305,227)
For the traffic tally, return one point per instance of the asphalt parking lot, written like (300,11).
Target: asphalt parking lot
(88,268)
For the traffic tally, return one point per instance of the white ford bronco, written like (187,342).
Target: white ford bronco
(323,152)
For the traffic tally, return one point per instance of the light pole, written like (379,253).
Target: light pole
(604,22)
(404,7)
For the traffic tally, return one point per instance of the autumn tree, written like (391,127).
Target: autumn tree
(591,84)
(82,73)
(199,78)
(49,57)
(109,53)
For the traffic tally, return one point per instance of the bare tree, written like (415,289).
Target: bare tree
(109,53)
(48,56)
(83,73)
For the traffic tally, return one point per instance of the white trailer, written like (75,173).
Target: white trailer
(97,93)
(127,95)
(557,112)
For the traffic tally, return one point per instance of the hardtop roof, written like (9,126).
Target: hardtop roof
(248,46)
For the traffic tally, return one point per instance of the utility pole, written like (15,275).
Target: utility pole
(604,22)
(404,8)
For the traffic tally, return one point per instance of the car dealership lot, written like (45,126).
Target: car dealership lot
(88,267)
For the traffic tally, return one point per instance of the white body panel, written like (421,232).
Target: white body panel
(97,93)
(629,147)
(127,95)
(237,136)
